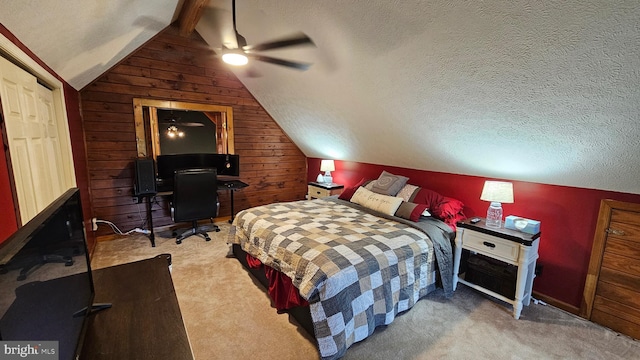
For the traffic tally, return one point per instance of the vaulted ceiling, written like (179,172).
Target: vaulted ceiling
(541,91)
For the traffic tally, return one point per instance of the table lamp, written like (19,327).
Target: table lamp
(497,192)
(327,166)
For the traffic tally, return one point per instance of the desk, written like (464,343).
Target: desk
(144,322)
(232,185)
(224,183)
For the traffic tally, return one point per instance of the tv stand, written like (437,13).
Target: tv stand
(98,307)
(94,309)
(145,320)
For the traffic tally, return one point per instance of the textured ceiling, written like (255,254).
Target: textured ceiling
(81,39)
(541,91)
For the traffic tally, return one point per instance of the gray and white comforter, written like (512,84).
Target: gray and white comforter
(357,268)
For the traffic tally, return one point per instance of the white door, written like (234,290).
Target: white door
(34,141)
(51,179)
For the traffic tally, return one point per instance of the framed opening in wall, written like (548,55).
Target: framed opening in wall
(173,127)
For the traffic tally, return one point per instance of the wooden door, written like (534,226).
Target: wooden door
(35,147)
(612,290)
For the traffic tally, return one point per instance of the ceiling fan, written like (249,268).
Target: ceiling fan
(240,55)
(173,120)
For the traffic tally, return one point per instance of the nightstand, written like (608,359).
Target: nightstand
(496,261)
(319,190)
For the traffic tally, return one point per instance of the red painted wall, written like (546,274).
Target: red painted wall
(568,217)
(8,221)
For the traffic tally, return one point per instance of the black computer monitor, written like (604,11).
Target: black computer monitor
(225,164)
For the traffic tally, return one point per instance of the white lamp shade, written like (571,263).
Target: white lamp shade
(327,165)
(497,191)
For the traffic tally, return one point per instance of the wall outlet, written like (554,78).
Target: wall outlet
(94,224)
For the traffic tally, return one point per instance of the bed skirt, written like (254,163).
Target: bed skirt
(301,314)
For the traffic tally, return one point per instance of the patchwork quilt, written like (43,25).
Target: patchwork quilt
(357,269)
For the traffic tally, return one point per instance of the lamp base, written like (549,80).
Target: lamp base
(494,215)
(327,177)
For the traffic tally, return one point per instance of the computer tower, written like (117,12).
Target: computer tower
(145,178)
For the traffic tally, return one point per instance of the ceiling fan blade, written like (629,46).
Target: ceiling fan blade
(300,39)
(287,63)
(187,124)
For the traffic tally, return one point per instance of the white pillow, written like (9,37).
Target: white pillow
(378,202)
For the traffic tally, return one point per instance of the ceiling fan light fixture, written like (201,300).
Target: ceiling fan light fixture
(235,58)
(173,131)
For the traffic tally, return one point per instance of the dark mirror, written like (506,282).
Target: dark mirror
(186,132)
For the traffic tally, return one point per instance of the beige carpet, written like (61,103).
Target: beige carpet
(228,316)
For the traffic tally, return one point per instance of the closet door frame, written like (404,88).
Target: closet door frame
(597,251)
(13,53)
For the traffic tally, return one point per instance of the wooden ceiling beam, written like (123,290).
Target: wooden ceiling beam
(190,15)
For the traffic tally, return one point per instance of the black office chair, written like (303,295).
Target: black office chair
(195,197)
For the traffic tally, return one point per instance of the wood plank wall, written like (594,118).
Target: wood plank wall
(173,67)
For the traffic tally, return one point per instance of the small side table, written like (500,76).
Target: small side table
(318,190)
(509,247)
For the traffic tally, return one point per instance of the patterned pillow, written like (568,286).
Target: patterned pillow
(388,184)
(378,202)
(411,211)
(407,191)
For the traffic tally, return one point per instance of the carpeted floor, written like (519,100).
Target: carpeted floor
(228,316)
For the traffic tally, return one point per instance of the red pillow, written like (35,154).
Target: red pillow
(449,211)
(410,211)
(448,208)
(427,197)
(348,192)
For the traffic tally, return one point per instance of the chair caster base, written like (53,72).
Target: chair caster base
(195,230)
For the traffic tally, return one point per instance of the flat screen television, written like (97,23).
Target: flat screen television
(46,288)
(225,164)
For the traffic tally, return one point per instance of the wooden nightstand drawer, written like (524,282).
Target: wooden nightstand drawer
(492,246)
(318,190)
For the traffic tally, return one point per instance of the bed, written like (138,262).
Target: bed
(357,267)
